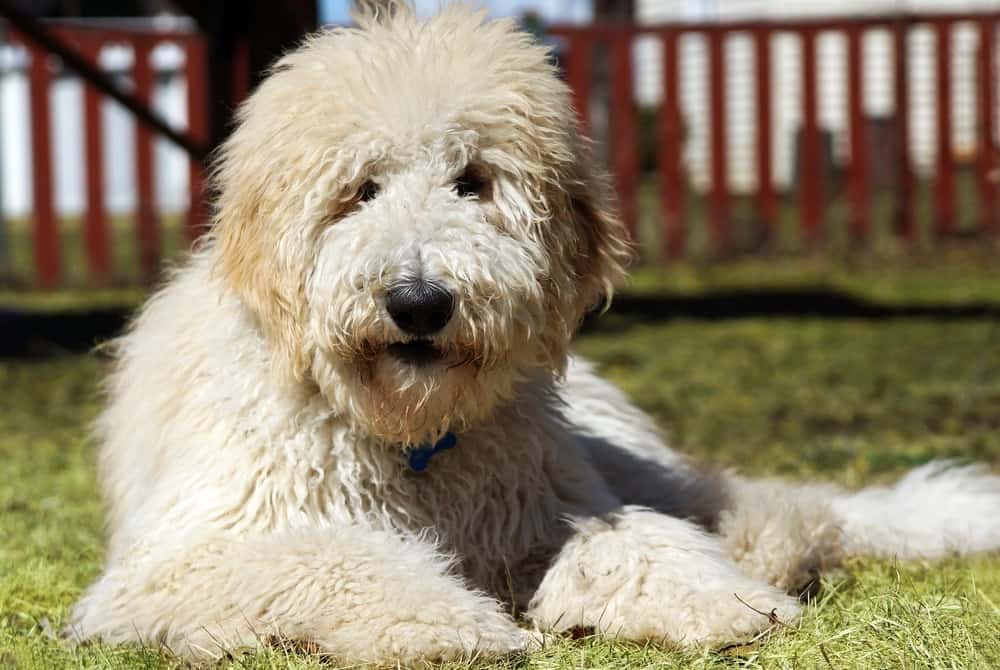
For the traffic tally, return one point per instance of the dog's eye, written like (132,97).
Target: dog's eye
(470,184)
(368,191)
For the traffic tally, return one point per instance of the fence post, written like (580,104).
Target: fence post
(987,140)
(858,175)
(903,204)
(623,129)
(671,141)
(95,218)
(810,188)
(241,74)
(767,202)
(944,202)
(579,75)
(719,196)
(48,262)
(147,228)
(195,71)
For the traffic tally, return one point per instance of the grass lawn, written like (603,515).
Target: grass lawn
(839,399)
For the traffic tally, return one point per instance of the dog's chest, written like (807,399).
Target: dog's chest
(489,501)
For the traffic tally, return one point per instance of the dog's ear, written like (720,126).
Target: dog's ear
(604,249)
(252,258)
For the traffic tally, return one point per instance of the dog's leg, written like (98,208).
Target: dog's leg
(358,595)
(782,532)
(640,575)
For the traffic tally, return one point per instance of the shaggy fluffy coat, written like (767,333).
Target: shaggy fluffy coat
(253,448)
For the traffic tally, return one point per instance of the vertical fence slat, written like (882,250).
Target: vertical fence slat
(903,205)
(241,83)
(623,129)
(986,164)
(97,240)
(579,73)
(195,70)
(767,202)
(47,252)
(944,202)
(671,137)
(858,170)
(719,195)
(810,155)
(147,229)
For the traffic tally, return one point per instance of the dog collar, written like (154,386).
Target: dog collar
(420,457)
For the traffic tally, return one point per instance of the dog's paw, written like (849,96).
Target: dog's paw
(728,616)
(484,634)
(662,608)
(644,576)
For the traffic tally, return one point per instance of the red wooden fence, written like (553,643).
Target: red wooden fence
(88,40)
(582,47)
(577,56)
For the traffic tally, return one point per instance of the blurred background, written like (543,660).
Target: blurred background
(733,128)
(811,184)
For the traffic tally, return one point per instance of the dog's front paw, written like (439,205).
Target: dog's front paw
(646,576)
(727,616)
(446,638)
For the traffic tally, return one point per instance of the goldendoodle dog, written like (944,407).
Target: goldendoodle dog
(352,418)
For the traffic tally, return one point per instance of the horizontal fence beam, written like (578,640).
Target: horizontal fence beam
(839,23)
(43,37)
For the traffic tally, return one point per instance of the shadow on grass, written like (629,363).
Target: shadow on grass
(27,333)
(30,334)
(783,303)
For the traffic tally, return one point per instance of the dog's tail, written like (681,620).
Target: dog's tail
(937,509)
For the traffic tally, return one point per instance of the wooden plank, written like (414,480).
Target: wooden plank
(814,23)
(719,194)
(986,166)
(858,169)
(147,226)
(944,202)
(47,251)
(903,206)
(196,73)
(579,76)
(767,200)
(624,138)
(671,138)
(95,222)
(810,189)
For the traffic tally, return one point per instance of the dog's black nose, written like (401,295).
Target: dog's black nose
(419,307)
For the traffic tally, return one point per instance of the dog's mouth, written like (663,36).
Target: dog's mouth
(415,352)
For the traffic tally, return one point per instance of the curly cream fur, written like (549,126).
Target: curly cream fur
(252,452)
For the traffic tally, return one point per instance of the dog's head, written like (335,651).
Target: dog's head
(407,210)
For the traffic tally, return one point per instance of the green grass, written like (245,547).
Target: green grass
(846,400)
